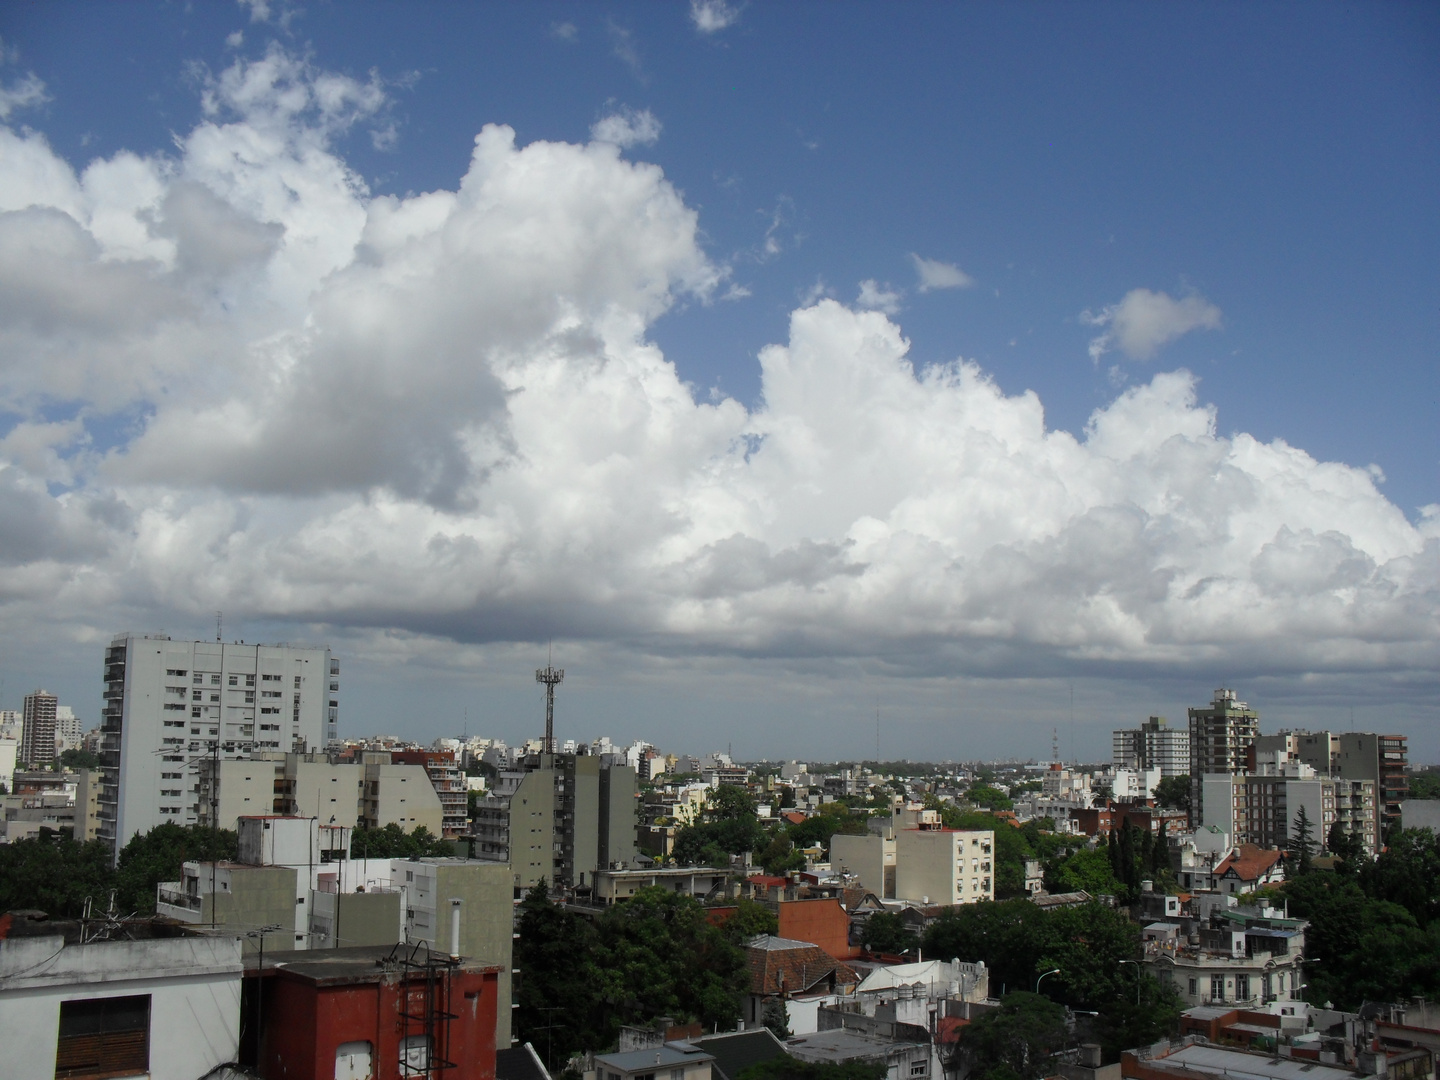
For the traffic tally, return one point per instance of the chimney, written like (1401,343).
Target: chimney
(455,903)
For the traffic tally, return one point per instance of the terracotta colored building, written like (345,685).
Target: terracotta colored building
(378,1012)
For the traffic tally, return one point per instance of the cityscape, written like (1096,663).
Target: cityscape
(719,540)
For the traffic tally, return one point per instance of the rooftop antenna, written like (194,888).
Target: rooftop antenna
(550,677)
(218,617)
(1072,725)
(1055,745)
(877,733)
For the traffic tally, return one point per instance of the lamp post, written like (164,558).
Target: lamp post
(1052,971)
(1137,979)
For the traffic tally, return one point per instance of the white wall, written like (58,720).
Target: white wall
(193,983)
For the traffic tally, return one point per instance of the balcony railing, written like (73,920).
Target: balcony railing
(175,896)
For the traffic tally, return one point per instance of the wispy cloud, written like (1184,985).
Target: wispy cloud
(934,274)
(622,44)
(627,127)
(1143,321)
(565,31)
(877,297)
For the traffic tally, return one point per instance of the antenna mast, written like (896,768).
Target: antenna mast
(550,677)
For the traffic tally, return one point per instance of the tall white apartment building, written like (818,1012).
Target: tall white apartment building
(1153,745)
(171,704)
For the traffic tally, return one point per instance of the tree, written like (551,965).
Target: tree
(1425,785)
(1084,870)
(1302,841)
(775,1018)
(76,758)
(156,856)
(1124,1024)
(1022,1035)
(989,796)
(393,842)
(1346,846)
(749,920)
(53,873)
(886,932)
(1174,792)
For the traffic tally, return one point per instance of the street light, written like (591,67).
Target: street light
(1137,978)
(1052,971)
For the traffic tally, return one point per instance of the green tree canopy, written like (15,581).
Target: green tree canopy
(656,954)
(53,873)
(76,758)
(1174,791)
(1085,870)
(1020,1036)
(886,932)
(392,842)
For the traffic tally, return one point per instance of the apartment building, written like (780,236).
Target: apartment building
(561,818)
(1153,745)
(1220,740)
(449,783)
(37,736)
(1263,809)
(169,705)
(1352,755)
(944,866)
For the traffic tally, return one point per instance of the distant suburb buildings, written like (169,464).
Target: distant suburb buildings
(169,704)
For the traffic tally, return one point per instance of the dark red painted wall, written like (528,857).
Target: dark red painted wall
(305,1024)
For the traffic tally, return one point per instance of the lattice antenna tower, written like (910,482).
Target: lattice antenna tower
(550,677)
(1055,745)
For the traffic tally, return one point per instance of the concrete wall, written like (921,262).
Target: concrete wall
(193,983)
(617,804)
(487,920)
(1420,814)
(405,797)
(258,896)
(925,866)
(324,791)
(532,829)
(864,856)
(587,818)
(368,918)
(247,788)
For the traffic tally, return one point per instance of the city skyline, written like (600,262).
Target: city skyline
(1000,371)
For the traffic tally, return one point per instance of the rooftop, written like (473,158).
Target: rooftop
(837,1046)
(1246,1065)
(663,1057)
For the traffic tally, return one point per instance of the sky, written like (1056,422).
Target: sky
(809,380)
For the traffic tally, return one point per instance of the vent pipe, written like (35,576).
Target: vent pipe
(455,903)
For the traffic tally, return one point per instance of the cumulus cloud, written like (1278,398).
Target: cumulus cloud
(876,297)
(712,16)
(442,414)
(627,127)
(1144,321)
(934,274)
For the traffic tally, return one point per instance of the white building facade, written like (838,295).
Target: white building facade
(169,703)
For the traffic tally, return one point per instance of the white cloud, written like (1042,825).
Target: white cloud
(235,39)
(712,16)
(26,92)
(1144,321)
(626,128)
(934,274)
(259,10)
(565,31)
(876,297)
(441,416)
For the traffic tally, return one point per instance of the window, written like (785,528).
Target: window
(249,680)
(195,711)
(197,696)
(104,1037)
(199,678)
(234,680)
(179,672)
(1242,987)
(214,680)
(297,682)
(918,1068)
(1217,987)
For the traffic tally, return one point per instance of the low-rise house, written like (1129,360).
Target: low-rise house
(1235,958)
(902,1060)
(1193,1059)
(116,999)
(798,973)
(1247,868)
(736,1051)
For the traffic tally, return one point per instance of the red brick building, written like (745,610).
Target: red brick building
(383,1012)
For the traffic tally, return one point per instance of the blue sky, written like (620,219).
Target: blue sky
(1107,193)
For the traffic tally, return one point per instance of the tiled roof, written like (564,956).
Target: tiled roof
(778,965)
(1248,862)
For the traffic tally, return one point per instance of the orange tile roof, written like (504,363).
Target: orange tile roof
(1249,862)
(792,967)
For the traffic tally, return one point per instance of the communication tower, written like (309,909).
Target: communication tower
(550,677)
